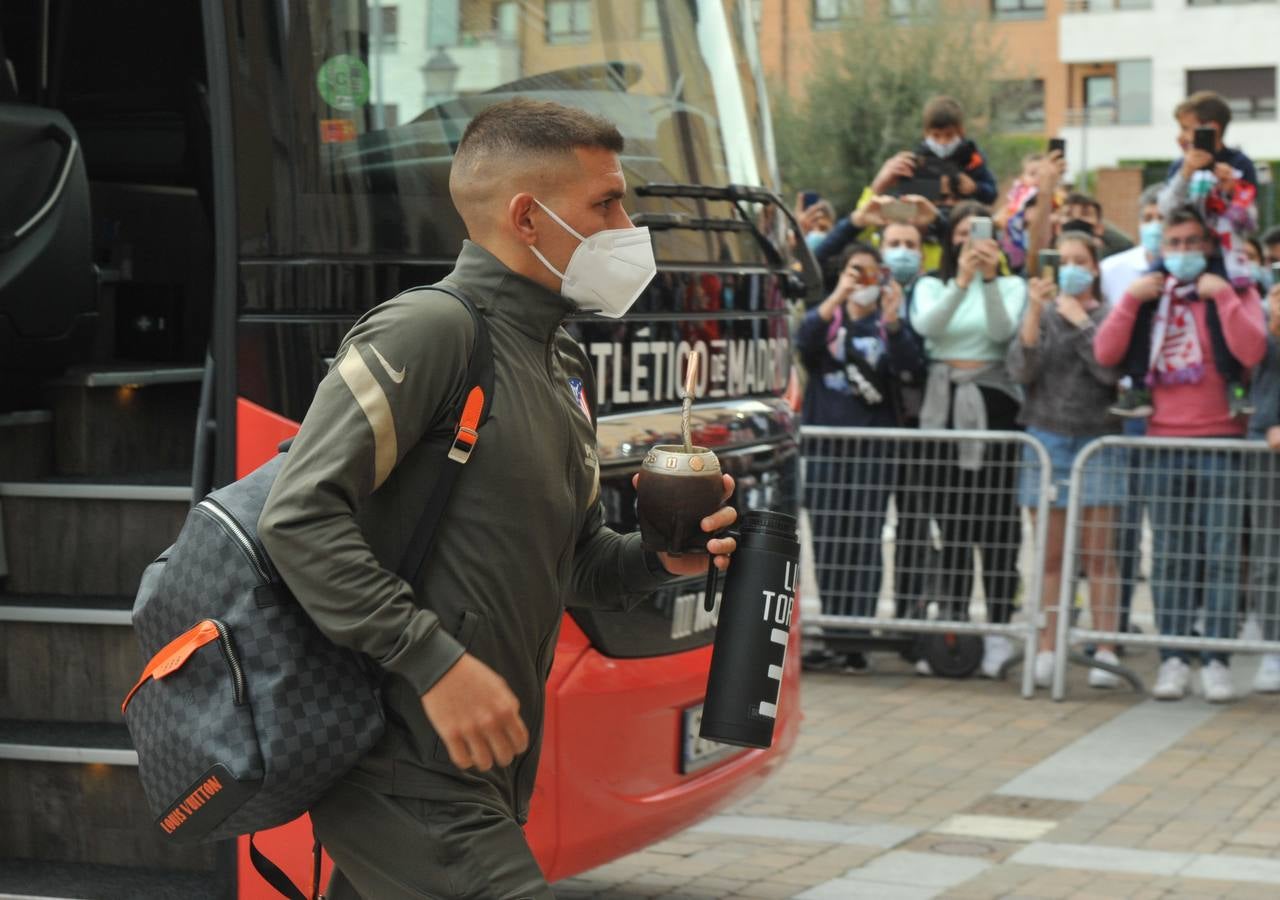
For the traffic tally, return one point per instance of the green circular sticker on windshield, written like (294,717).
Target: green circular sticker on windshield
(343,82)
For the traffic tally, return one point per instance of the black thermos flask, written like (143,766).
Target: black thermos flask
(741,705)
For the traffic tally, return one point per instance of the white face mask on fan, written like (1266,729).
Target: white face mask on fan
(609,269)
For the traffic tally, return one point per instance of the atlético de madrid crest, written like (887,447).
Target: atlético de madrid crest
(580,396)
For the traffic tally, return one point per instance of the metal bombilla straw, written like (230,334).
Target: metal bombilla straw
(686,408)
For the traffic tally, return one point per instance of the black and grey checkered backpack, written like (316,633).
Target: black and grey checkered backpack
(246,714)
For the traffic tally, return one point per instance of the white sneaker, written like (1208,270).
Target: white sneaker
(1267,681)
(1044,669)
(996,650)
(1172,680)
(1215,678)
(1100,678)
(923,668)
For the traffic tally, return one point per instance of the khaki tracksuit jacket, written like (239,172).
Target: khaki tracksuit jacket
(522,536)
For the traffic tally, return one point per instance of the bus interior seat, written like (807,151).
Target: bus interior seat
(48,289)
(142,111)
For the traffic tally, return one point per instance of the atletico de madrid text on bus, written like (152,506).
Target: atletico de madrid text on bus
(644,371)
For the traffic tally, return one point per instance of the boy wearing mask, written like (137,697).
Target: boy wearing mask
(944,149)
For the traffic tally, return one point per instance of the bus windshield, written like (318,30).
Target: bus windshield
(390,87)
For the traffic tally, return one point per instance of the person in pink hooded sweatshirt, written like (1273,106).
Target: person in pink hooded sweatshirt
(1191,494)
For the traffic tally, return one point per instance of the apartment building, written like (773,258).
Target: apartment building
(1129,62)
(792,32)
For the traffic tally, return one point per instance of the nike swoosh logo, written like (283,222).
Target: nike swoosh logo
(395,376)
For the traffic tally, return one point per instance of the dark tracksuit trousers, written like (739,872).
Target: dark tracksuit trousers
(978,509)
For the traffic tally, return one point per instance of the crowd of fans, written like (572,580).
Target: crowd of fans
(944,313)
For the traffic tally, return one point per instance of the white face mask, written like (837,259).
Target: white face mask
(866,296)
(609,269)
(942,150)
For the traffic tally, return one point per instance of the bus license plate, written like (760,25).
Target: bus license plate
(697,752)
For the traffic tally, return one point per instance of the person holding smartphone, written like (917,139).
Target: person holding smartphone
(967,317)
(856,350)
(1220,182)
(1067,395)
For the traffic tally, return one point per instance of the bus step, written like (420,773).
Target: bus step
(70,657)
(101,743)
(28,878)
(123,420)
(66,536)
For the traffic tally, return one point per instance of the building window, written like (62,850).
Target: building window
(1017,9)
(835,13)
(905,10)
(568,21)
(1084,6)
(1018,105)
(1133,83)
(389,27)
(1251,93)
(506,20)
(650,21)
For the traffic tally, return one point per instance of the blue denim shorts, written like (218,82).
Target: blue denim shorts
(1104,479)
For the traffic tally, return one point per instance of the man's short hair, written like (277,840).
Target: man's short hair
(1184,214)
(1206,106)
(1271,236)
(1150,196)
(523,127)
(1078,199)
(943,112)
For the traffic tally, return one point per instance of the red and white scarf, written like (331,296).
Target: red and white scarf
(1176,354)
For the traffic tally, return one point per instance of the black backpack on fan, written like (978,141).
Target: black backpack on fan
(246,713)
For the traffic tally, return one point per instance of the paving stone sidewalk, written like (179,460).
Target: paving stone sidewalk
(907,788)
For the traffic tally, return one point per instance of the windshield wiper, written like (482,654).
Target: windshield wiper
(810,286)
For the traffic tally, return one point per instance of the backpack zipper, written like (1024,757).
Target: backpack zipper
(232,527)
(229,652)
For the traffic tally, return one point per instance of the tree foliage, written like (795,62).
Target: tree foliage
(864,100)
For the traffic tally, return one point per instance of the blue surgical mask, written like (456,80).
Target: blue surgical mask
(1185,266)
(1150,233)
(815,238)
(903,263)
(1074,280)
(1262,275)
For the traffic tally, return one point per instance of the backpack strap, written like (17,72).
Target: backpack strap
(275,876)
(469,414)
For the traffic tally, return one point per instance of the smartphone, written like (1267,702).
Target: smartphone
(980,229)
(1206,139)
(1275,273)
(1049,260)
(928,188)
(1059,144)
(808,198)
(897,211)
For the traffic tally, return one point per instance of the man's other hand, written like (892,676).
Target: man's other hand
(1210,285)
(476,715)
(719,548)
(1195,160)
(899,166)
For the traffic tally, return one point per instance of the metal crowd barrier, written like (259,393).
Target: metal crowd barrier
(1202,517)
(948,564)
